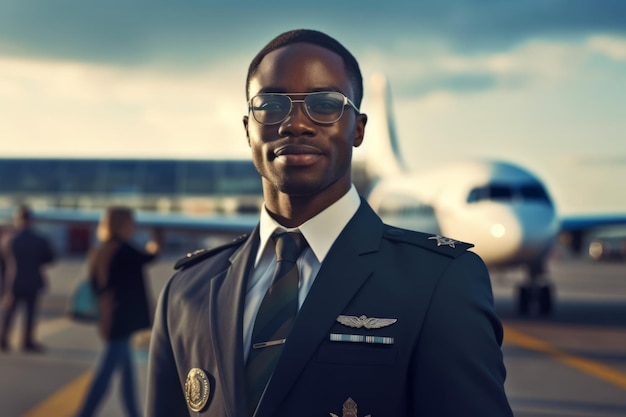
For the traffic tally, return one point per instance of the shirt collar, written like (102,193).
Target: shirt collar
(320,231)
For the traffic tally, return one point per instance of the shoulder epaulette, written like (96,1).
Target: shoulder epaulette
(198,255)
(435,243)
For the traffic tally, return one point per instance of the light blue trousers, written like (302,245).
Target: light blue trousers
(117,355)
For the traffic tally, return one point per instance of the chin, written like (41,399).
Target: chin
(300,188)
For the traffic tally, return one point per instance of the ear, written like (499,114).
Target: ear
(359,133)
(245,126)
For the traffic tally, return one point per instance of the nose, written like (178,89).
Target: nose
(297,121)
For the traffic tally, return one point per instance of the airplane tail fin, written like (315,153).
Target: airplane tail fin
(382,151)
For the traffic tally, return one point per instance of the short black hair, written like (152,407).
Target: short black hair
(23,212)
(320,39)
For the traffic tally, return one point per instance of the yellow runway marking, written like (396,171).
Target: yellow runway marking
(588,366)
(43,329)
(65,402)
(53,326)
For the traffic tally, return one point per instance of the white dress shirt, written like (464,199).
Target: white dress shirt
(320,232)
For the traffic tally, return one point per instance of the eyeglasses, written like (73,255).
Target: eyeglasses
(324,107)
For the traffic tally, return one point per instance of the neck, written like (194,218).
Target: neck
(294,210)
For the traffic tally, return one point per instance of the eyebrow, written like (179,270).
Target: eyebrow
(276,90)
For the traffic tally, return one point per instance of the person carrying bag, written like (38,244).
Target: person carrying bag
(115,271)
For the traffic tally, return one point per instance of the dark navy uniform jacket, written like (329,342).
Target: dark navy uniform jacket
(441,357)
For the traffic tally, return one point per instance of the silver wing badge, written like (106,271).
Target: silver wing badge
(364,321)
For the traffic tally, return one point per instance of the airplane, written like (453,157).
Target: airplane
(500,207)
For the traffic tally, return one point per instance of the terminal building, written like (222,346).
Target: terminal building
(192,187)
(148,184)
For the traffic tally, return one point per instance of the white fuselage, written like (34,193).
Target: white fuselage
(501,208)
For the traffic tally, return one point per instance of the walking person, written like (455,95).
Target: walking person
(25,252)
(116,273)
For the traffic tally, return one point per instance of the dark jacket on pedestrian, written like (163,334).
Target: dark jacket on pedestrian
(27,252)
(116,273)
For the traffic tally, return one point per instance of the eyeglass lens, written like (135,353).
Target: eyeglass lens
(324,107)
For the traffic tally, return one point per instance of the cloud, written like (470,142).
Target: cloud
(612,47)
(193,33)
(70,106)
(66,107)
(433,68)
(596,160)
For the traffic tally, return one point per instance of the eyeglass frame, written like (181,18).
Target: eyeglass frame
(346,102)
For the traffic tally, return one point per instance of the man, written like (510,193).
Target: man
(389,322)
(3,230)
(25,253)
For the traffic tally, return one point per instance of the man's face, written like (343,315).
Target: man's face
(298,156)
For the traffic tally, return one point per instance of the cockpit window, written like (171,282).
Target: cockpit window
(534,192)
(509,192)
(501,192)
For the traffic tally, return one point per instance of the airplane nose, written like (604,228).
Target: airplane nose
(500,239)
(539,226)
(498,230)
(522,234)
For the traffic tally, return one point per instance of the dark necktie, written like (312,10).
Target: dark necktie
(275,317)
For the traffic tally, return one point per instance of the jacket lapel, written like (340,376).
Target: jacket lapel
(346,267)
(227,322)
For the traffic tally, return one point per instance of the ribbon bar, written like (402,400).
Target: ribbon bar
(359,338)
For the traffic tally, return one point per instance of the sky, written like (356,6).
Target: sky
(541,83)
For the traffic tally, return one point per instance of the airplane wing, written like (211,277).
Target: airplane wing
(220,224)
(576,227)
(584,222)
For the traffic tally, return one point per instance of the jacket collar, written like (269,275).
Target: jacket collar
(227,324)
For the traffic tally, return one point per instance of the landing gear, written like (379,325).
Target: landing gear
(536,293)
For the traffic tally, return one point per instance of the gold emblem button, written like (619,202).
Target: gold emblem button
(197,389)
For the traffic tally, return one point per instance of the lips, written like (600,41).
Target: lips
(297,154)
(296,150)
